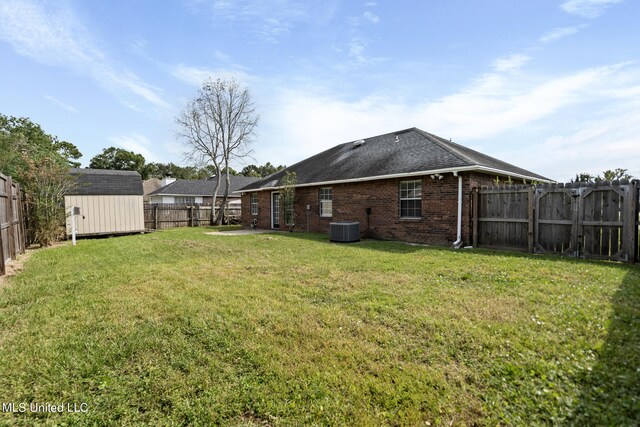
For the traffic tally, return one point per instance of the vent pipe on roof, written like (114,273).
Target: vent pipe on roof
(358,142)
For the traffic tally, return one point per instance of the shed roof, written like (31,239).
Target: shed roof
(104,182)
(404,152)
(202,187)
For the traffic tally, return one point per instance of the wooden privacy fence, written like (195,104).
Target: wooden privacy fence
(13,238)
(161,216)
(580,220)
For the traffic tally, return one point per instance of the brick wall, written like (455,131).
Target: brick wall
(438,224)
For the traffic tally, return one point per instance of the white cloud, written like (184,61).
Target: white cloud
(559,33)
(591,145)
(553,125)
(297,124)
(269,20)
(61,104)
(137,143)
(54,36)
(223,57)
(510,63)
(587,8)
(371,17)
(196,75)
(495,103)
(356,50)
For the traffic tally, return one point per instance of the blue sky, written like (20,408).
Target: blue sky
(551,86)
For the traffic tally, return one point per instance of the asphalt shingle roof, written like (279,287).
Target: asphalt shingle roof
(401,152)
(103,182)
(203,187)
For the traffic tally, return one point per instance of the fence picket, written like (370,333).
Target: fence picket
(12,222)
(162,216)
(586,220)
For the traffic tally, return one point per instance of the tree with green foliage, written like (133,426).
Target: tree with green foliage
(20,135)
(608,175)
(261,171)
(231,170)
(160,170)
(614,175)
(40,163)
(288,197)
(115,158)
(584,177)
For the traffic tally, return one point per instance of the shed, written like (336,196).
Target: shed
(110,202)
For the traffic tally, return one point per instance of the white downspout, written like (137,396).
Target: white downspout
(458,243)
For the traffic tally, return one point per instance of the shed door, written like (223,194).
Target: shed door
(275,210)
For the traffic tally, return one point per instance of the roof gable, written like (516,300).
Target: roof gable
(403,152)
(104,182)
(151,184)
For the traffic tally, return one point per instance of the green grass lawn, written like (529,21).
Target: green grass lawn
(183,328)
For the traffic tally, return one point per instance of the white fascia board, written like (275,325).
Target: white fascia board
(491,171)
(192,195)
(481,169)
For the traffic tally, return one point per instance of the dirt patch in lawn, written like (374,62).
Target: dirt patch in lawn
(15,266)
(238,232)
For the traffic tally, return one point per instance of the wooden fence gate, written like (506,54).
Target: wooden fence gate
(588,221)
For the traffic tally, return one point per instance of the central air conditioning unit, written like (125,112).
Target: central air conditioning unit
(344,231)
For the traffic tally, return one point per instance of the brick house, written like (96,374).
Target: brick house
(408,185)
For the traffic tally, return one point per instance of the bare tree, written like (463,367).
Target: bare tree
(217,126)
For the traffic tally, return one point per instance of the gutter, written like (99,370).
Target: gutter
(458,243)
(186,195)
(475,168)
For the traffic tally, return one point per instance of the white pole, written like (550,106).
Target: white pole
(458,243)
(73,225)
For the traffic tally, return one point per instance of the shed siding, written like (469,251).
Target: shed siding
(106,214)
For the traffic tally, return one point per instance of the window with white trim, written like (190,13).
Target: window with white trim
(410,199)
(184,200)
(326,202)
(254,203)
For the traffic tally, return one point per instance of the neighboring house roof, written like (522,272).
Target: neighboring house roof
(402,153)
(202,187)
(151,185)
(103,182)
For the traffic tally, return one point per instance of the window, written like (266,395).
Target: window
(326,202)
(184,200)
(254,203)
(410,199)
